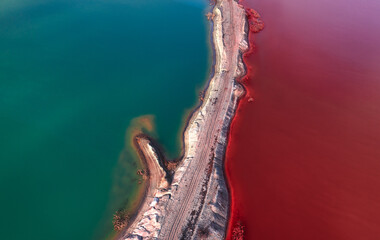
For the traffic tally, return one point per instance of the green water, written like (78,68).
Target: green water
(72,76)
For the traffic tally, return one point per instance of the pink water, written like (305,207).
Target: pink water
(304,157)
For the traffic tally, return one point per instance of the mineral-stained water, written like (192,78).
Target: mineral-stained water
(73,75)
(304,156)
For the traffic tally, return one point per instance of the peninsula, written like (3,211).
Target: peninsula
(189,199)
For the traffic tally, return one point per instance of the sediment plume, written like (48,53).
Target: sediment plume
(190,201)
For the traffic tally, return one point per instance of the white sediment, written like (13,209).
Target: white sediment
(195,205)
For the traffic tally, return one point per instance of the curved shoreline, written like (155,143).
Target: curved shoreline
(255,26)
(197,106)
(180,210)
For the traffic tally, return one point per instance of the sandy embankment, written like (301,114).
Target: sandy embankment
(195,204)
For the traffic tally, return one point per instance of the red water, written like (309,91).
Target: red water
(303,161)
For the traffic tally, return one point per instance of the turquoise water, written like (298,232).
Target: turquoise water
(72,76)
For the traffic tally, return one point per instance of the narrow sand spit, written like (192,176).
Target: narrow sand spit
(194,203)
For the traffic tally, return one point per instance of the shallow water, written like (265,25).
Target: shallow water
(73,74)
(303,161)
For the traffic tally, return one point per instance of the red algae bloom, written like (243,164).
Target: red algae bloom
(238,232)
(254,19)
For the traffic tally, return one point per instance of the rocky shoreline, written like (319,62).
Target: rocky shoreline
(191,201)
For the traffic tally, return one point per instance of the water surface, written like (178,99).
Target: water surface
(304,156)
(73,74)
